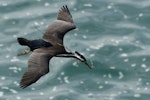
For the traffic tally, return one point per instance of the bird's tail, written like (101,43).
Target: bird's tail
(23,41)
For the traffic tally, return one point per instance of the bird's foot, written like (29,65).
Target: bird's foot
(23,52)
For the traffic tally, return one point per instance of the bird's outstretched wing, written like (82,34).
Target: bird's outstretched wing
(38,65)
(64,14)
(58,28)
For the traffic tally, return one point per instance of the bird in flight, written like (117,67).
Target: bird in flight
(51,45)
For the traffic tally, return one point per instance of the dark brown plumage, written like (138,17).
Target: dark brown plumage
(38,62)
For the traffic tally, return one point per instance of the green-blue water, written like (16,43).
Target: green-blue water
(114,34)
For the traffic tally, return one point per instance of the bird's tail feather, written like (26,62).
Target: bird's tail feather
(23,41)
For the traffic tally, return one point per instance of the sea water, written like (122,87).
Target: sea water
(114,36)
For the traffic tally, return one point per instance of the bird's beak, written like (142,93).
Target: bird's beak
(82,59)
(90,67)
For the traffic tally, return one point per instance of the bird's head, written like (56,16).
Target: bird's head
(81,58)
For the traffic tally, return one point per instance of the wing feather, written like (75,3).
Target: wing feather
(29,78)
(64,14)
(57,29)
(38,65)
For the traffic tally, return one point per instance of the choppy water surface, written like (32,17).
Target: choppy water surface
(114,34)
